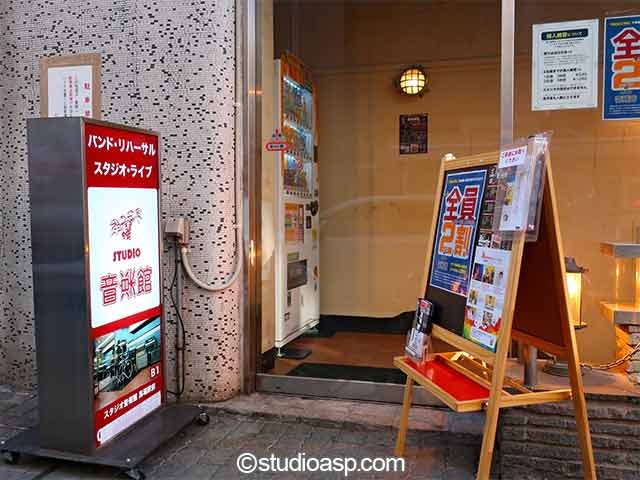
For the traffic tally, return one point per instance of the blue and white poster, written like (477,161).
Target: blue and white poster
(621,83)
(457,224)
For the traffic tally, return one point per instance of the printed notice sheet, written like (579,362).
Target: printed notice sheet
(565,65)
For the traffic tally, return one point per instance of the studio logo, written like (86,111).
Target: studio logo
(124,224)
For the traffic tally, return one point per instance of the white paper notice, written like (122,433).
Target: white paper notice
(565,65)
(512,157)
(70,91)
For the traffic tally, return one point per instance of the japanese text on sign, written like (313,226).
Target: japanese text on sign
(130,284)
(512,157)
(128,401)
(121,145)
(622,68)
(122,169)
(455,235)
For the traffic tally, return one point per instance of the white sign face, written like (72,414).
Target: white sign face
(565,65)
(512,157)
(123,261)
(70,91)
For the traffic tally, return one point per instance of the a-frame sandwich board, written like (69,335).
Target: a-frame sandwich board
(535,311)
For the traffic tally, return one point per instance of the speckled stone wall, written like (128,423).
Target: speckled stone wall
(167,65)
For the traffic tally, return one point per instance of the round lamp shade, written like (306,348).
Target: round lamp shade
(413,81)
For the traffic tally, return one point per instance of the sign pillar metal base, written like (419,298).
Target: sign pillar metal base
(127,453)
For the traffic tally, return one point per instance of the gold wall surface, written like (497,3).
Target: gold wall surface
(376,204)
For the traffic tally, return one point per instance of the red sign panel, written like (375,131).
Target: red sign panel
(120,158)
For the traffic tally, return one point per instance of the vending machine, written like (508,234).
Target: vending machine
(297,252)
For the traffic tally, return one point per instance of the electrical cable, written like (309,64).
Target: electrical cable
(186,263)
(212,288)
(179,348)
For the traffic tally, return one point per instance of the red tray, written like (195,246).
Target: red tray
(450,380)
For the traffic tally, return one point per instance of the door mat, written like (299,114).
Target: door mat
(400,324)
(349,372)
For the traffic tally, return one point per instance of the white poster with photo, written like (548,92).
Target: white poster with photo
(565,65)
(483,313)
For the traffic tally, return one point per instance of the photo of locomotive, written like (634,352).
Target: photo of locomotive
(121,355)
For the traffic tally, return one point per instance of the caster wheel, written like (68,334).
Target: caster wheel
(203,418)
(135,474)
(11,457)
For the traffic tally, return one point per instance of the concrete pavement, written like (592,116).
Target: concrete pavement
(211,452)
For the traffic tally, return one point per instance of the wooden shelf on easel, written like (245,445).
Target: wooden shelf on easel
(457,390)
(464,384)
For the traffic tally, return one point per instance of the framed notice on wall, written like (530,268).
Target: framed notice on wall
(70,86)
(565,65)
(413,133)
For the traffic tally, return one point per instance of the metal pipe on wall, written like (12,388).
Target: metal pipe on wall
(528,354)
(507,52)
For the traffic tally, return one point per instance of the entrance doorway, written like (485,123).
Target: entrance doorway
(360,101)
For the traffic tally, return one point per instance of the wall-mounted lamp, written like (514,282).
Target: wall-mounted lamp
(412,81)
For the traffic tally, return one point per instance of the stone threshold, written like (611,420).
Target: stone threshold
(353,414)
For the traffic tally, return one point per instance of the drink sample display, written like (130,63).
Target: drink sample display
(297,257)
(297,127)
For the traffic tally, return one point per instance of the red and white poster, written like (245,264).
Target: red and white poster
(122,181)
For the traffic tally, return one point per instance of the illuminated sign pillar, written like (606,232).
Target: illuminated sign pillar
(95,228)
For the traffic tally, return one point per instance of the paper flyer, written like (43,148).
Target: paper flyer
(515,203)
(483,313)
(565,65)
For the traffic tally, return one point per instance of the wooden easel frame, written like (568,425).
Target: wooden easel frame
(491,366)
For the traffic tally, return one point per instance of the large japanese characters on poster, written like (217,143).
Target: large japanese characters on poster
(621,82)
(455,236)
(122,181)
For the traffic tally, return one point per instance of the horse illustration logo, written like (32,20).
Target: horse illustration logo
(124,224)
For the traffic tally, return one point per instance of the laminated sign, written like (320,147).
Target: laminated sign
(621,82)
(565,65)
(456,232)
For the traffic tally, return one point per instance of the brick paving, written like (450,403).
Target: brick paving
(210,452)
